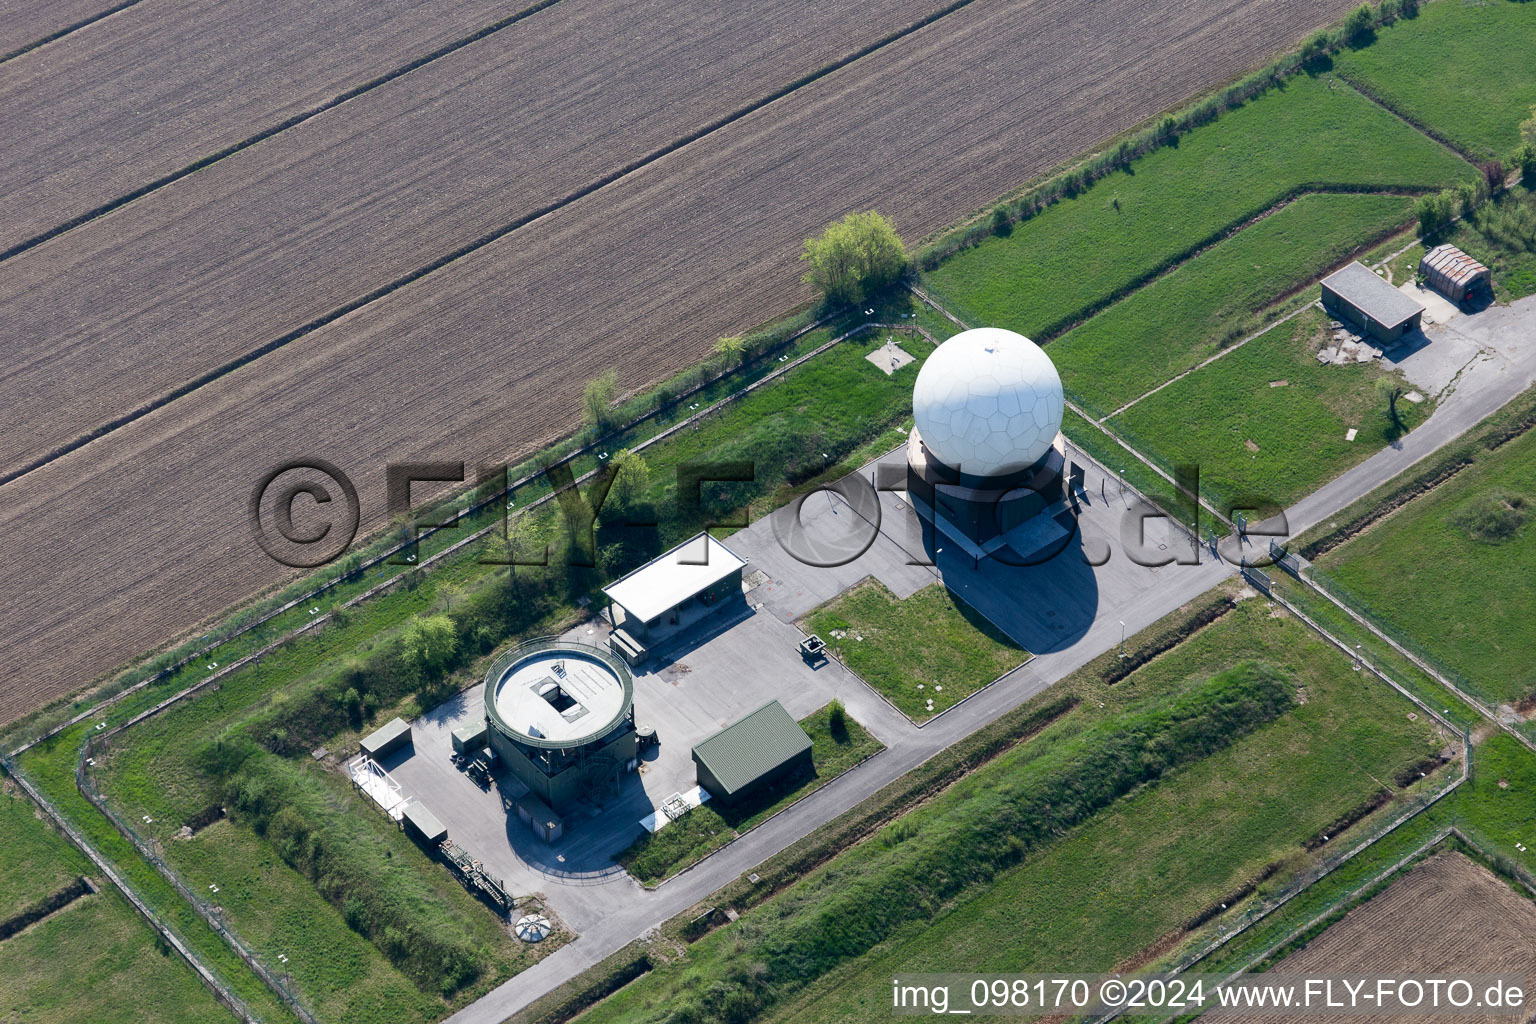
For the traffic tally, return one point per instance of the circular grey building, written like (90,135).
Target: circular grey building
(561,717)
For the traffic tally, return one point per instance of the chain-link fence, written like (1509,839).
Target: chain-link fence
(213,915)
(137,900)
(1327,584)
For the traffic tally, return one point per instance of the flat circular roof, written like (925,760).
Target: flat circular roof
(557,694)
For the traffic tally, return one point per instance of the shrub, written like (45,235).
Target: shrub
(1001,224)
(597,401)
(733,349)
(837,721)
(854,258)
(1436,213)
(1526,158)
(1493,175)
(427,646)
(1359,26)
(1494,517)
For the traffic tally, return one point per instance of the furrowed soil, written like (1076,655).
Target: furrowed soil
(200,273)
(133,97)
(1447,916)
(142,533)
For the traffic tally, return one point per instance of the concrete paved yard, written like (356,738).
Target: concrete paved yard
(746,655)
(731,663)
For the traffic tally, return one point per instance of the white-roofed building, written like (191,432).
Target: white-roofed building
(671,592)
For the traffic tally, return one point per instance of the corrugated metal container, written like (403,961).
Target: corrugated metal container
(1453,273)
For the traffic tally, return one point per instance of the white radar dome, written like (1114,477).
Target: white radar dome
(988,402)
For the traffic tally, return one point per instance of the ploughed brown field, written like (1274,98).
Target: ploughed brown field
(1447,916)
(127,540)
(165,83)
(25,22)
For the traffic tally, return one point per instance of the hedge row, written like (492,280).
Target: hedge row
(1001,217)
(906,873)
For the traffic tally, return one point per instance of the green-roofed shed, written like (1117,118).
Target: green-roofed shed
(744,757)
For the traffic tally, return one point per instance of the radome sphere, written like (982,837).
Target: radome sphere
(988,402)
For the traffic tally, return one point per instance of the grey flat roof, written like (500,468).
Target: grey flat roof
(746,750)
(1362,288)
(668,580)
(424,821)
(386,735)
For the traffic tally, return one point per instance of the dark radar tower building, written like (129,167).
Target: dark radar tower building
(985,458)
(562,719)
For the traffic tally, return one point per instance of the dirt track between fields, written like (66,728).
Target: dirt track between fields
(1447,916)
(196,275)
(25,23)
(141,534)
(153,88)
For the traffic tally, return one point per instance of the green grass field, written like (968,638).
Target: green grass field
(38,862)
(1443,573)
(660,855)
(1462,69)
(1082,251)
(1300,428)
(96,961)
(1129,876)
(1187,316)
(931,646)
(93,960)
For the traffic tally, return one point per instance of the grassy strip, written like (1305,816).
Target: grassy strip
(38,861)
(660,855)
(943,850)
(1179,320)
(1132,885)
(1374,650)
(1470,547)
(97,961)
(924,654)
(1451,69)
(1268,423)
(51,765)
(1058,266)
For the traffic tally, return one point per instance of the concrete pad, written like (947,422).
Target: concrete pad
(889,357)
(1431,358)
(1437,308)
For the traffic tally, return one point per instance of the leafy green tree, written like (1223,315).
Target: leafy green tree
(631,477)
(1436,213)
(597,401)
(733,348)
(1359,24)
(1527,160)
(427,646)
(854,258)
